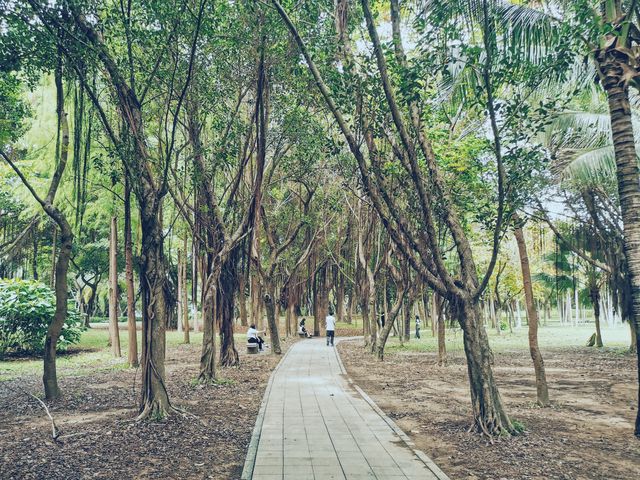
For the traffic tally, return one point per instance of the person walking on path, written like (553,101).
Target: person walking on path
(330,323)
(417,326)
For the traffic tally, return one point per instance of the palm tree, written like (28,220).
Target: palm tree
(606,32)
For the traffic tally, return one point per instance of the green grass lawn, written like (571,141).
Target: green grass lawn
(93,354)
(90,355)
(550,337)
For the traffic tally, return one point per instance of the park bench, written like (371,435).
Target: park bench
(252,348)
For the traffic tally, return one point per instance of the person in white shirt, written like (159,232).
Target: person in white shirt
(330,323)
(417,326)
(253,337)
(302,329)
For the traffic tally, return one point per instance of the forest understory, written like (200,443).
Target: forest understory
(583,435)
(99,437)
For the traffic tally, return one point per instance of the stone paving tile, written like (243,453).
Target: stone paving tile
(316,426)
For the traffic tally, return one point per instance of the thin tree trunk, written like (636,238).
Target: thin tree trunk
(439,320)
(132,353)
(340,297)
(54,256)
(114,331)
(185,299)
(595,300)
(242,300)
(532,314)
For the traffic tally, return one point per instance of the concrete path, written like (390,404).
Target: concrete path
(314,424)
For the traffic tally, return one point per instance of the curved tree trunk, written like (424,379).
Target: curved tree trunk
(613,65)
(532,314)
(489,415)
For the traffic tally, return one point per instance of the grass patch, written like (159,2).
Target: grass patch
(616,339)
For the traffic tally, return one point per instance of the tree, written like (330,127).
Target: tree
(532,315)
(50,377)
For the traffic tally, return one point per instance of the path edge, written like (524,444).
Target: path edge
(397,430)
(252,449)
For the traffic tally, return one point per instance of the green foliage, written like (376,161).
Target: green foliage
(13,110)
(26,310)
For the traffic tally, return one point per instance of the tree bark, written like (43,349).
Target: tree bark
(154,401)
(132,354)
(488,412)
(532,315)
(594,293)
(208,356)
(185,299)
(439,320)
(242,299)
(612,65)
(114,331)
(269,303)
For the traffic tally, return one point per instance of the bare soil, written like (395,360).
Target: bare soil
(98,411)
(587,433)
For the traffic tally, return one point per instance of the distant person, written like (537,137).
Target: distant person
(302,329)
(330,323)
(417,326)
(253,337)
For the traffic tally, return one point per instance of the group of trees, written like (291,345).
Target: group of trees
(262,158)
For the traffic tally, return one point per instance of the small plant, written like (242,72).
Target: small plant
(26,310)
(519,427)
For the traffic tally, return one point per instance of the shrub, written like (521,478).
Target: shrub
(26,310)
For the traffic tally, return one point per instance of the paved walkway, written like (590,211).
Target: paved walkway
(314,424)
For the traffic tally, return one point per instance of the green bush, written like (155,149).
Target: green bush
(26,310)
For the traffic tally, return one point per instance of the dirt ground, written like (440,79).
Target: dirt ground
(586,434)
(97,412)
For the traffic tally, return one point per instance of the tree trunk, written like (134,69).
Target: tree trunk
(613,66)
(54,255)
(269,300)
(154,402)
(439,320)
(224,311)
(532,315)
(489,415)
(390,321)
(132,354)
(242,300)
(594,293)
(184,298)
(50,378)
(407,319)
(340,297)
(256,302)
(114,331)
(208,356)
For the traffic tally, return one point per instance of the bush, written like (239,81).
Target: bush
(26,310)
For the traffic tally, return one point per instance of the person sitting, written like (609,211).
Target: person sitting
(302,330)
(253,337)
